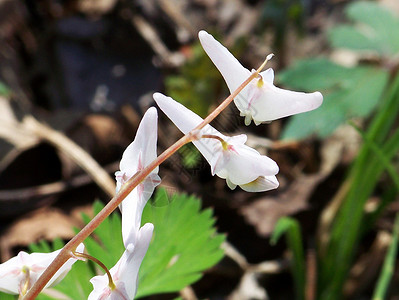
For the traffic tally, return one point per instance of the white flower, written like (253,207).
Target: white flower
(18,274)
(140,153)
(229,157)
(125,272)
(260,100)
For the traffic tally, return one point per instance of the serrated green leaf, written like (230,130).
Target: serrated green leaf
(185,244)
(375,29)
(348,93)
(4,296)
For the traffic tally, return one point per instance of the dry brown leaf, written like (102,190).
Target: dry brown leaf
(264,212)
(96,7)
(46,223)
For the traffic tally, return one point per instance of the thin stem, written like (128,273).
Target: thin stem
(111,283)
(211,136)
(70,247)
(133,182)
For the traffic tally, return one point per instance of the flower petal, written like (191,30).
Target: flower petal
(66,267)
(144,142)
(260,102)
(275,103)
(186,120)
(139,154)
(261,184)
(125,272)
(238,164)
(133,206)
(231,69)
(12,277)
(246,164)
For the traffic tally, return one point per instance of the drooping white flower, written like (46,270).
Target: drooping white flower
(229,157)
(125,272)
(139,154)
(19,274)
(260,100)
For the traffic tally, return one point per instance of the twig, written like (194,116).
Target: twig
(311,275)
(188,293)
(235,255)
(74,151)
(176,14)
(150,35)
(49,188)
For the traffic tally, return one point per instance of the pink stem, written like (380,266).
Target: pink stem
(134,181)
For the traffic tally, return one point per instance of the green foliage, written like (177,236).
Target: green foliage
(347,229)
(348,93)
(197,84)
(375,29)
(4,296)
(191,157)
(106,244)
(4,91)
(290,227)
(389,264)
(281,14)
(184,244)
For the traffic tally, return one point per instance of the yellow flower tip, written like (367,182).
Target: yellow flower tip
(111,285)
(225,145)
(260,82)
(25,269)
(26,284)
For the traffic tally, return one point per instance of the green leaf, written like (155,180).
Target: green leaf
(291,228)
(191,157)
(106,243)
(4,296)
(348,227)
(4,91)
(389,264)
(375,28)
(348,93)
(185,244)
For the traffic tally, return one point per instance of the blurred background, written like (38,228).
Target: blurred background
(76,77)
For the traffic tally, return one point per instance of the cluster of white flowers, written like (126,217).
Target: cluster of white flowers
(228,157)
(259,101)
